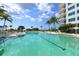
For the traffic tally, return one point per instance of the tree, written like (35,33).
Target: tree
(2,11)
(67,27)
(4,16)
(7,17)
(35,29)
(21,28)
(10,26)
(6,27)
(41,27)
(31,27)
(49,23)
(52,20)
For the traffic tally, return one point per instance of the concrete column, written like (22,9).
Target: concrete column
(66,13)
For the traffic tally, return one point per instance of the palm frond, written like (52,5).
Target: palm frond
(52,20)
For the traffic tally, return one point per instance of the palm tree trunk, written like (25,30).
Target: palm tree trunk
(49,27)
(4,32)
(4,24)
(54,25)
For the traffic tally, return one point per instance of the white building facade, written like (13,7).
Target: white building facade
(72,13)
(62,12)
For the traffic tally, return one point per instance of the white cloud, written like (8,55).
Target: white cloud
(30,18)
(14,8)
(26,11)
(40,19)
(27,16)
(17,17)
(17,9)
(44,7)
(44,15)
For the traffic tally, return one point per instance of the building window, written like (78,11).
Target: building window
(69,3)
(65,21)
(77,4)
(77,11)
(70,8)
(77,18)
(72,19)
(72,13)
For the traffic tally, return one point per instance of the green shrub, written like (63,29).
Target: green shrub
(66,28)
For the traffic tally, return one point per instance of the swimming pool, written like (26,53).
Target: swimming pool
(41,44)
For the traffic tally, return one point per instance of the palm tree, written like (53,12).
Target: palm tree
(6,27)
(1,15)
(49,23)
(32,27)
(41,27)
(4,16)
(10,26)
(52,20)
(2,11)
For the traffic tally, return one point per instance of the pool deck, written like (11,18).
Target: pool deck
(16,34)
(69,34)
(11,34)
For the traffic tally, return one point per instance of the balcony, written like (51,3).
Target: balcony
(62,10)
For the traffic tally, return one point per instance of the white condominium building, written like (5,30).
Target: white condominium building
(72,13)
(62,12)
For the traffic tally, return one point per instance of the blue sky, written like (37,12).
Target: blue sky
(30,14)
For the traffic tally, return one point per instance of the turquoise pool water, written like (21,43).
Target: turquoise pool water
(41,44)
